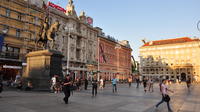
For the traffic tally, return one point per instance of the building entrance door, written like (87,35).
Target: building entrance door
(183,77)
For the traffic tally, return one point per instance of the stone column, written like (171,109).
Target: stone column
(41,66)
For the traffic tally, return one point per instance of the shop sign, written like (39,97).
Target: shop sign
(12,67)
(50,4)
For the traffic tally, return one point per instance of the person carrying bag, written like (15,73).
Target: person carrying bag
(165,97)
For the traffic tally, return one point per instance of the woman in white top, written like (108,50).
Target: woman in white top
(101,83)
(165,96)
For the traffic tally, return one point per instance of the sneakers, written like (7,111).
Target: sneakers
(155,109)
(66,101)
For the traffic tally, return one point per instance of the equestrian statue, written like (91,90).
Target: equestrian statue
(47,34)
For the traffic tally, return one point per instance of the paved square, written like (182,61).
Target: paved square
(126,100)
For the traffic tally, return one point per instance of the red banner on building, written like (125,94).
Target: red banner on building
(50,4)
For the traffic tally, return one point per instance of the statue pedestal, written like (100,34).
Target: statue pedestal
(41,66)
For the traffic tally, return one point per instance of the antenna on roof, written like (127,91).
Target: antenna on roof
(144,40)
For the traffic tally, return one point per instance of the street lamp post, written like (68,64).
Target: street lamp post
(68,28)
(98,75)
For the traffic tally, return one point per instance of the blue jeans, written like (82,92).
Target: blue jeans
(114,88)
(168,106)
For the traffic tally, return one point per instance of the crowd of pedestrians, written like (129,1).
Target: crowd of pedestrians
(68,85)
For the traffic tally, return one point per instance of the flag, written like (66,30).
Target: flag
(1,41)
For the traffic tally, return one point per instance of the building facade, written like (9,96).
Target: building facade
(171,58)
(86,50)
(76,39)
(19,26)
(114,57)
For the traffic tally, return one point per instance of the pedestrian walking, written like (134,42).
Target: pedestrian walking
(72,88)
(137,82)
(78,84)
(129,81)
(165,95)
(114,84)
(145,84)
(94,87)
(188,83)
(66,88)
(58,86)
(150,82)
(101,83)
(53,83)
(86,84)
(104,83)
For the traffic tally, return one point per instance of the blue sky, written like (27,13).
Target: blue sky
(134,20)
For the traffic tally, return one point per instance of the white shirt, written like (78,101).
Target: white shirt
(101,81)
(53,80)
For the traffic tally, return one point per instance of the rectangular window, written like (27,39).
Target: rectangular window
(19,16)
(8,12)
(10,49)
(36,20)
(11,52)
(3,52)
(17,32)
(16,53)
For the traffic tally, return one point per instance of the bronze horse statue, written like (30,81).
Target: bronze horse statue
(47,33)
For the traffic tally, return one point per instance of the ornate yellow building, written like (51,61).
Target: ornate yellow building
(20,23)
(171,58)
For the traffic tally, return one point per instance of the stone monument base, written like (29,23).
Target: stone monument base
(41,66)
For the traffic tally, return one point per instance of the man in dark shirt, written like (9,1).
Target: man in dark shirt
(94,87)
(66,88)
(188,82)
(86,83)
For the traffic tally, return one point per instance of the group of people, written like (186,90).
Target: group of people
(17,83)
(148,84)
(77,84)
(68,84)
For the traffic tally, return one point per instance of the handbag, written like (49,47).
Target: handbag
(73,88)
(166,98)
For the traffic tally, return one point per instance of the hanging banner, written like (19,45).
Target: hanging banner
(1,41)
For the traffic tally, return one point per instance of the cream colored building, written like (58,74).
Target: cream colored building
(176,58)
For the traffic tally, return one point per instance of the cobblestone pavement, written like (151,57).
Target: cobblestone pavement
(126,100)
